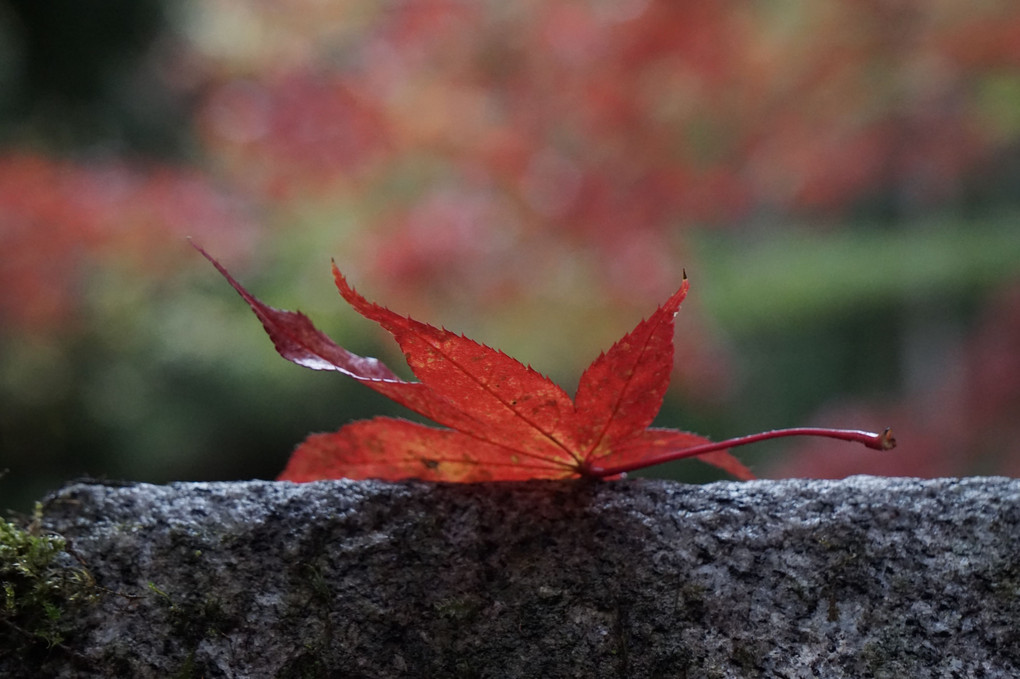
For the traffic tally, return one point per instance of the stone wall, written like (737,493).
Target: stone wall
(867,577)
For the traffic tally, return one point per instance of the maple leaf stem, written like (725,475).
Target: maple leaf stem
(882,441)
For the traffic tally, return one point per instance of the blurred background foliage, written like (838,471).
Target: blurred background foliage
(841,181)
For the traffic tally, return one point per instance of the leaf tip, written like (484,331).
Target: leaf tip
(346,290)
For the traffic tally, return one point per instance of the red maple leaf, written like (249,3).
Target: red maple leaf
(503,420)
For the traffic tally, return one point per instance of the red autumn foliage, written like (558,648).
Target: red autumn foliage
(60,219)
(593,122)
(504,420)
(310,125)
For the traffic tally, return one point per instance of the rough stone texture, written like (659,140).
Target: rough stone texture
(866,577)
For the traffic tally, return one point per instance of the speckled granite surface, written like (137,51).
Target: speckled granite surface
(867,577)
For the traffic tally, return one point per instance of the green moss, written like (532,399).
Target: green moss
(187,670)
(194,617)
(41,585)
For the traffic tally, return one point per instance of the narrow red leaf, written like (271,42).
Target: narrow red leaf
(299,341)
(518,406)
(622,390)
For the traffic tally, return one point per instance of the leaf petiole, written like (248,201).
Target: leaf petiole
(882,441)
